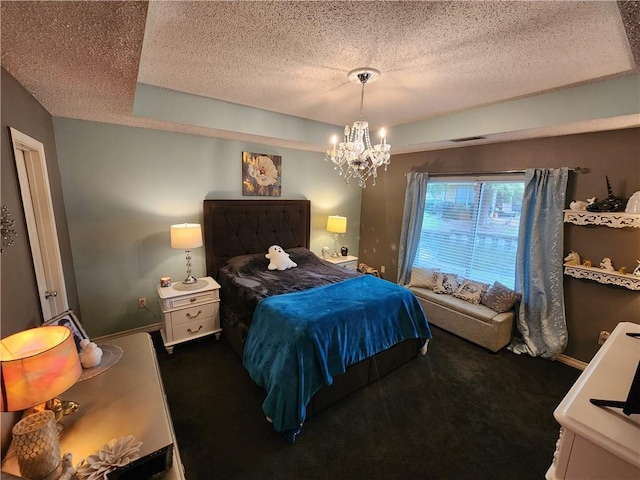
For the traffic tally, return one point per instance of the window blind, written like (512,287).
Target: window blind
(470,227)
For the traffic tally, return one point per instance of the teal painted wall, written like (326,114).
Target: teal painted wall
(123,187)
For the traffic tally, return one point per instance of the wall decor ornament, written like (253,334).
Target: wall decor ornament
(7,228)
(609,204)
(261,174)
(633,205)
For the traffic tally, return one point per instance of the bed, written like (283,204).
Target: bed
(299,331)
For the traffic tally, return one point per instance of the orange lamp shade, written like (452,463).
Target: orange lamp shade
(36,365)
(337,224)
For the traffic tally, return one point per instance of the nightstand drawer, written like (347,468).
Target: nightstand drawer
(195,313)
(193,329)
(348,261)
(186,300)
(351,265)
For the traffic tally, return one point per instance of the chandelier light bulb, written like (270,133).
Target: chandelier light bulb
(355,157)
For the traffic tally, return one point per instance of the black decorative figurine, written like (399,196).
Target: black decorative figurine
(344,251)
(610,204)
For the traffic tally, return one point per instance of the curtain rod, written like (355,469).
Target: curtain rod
(499,172)
(469,174)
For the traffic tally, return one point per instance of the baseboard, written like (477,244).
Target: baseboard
(572,362)
(147,328)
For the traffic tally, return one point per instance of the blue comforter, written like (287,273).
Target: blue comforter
(299,341)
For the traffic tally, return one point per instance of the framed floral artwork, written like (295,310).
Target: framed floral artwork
(261,174)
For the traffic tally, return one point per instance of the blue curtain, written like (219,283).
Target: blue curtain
(541,317)
(414,199)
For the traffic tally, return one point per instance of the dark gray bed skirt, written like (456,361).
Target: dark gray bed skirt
(356,377)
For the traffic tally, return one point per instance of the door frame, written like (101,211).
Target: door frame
(31,165)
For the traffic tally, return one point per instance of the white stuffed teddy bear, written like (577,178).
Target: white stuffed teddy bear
(279,259)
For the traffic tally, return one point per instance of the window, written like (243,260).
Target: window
(470,227)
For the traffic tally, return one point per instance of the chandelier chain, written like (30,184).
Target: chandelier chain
(364,77)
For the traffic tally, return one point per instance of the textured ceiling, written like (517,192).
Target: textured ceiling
(83,59)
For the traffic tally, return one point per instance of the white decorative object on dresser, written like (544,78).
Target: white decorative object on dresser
(598,442)
(188,312)
(349,261)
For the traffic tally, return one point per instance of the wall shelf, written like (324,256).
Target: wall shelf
(632,282)
(607,219)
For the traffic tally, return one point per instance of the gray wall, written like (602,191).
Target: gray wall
(590,306)
(20,306)
(124,187)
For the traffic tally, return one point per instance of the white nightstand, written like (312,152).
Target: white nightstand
(349,261)
(188,312)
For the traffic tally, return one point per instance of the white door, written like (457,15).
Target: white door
(31,165)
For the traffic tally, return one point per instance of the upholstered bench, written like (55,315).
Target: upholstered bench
(479,312)
(476,323)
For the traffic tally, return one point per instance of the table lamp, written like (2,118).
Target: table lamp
(36,365)
(336,224)
(186,236)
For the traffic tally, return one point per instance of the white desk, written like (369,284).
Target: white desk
(600,442)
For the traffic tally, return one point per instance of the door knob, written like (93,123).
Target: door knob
(48,294)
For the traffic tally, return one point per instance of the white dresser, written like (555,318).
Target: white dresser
(126,399)
(600,442)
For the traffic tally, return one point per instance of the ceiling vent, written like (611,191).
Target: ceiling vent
(468,139)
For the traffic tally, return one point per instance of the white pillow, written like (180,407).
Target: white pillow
(423,277)
(471,291)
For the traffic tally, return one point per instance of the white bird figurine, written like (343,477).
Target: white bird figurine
(68,470)
(578,205)
(90,355)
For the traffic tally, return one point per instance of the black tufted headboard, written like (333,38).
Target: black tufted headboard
(238,227)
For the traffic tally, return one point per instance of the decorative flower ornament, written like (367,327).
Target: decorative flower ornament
(263,171)
(117,453)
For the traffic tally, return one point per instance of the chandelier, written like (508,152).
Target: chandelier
(355,157)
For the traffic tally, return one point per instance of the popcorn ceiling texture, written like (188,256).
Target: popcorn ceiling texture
(630,12)
(83,59)
(79,59)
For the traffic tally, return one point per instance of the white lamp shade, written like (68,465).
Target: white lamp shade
(337,224)
(186,235)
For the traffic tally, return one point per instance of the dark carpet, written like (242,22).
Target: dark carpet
(461,412)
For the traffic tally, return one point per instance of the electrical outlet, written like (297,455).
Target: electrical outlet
(383,269)
(142,302)
(603,337)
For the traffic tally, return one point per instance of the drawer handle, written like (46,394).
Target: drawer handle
(191,332)
(193,317)
(192,299)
